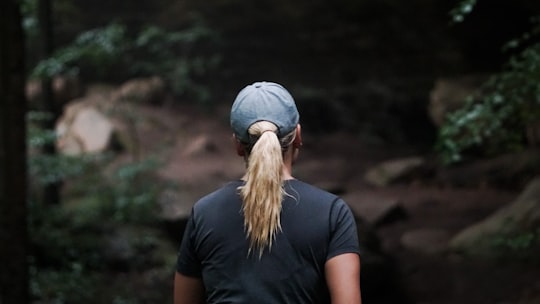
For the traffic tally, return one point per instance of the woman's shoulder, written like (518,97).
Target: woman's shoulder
(295,187)
(223,195)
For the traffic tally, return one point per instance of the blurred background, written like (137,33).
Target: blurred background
(423,115)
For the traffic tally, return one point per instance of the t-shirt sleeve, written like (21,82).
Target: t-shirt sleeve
(343,234)
(187,262)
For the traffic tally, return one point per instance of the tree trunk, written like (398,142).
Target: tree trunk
(13,224)
(51,191)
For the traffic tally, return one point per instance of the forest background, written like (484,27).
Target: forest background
(361,68)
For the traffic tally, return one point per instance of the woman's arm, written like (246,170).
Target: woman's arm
(188,290)
(343,278)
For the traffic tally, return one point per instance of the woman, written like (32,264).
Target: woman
(268,238)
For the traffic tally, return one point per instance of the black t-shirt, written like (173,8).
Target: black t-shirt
(316,226)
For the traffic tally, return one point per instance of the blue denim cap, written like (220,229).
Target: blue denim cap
(263,101)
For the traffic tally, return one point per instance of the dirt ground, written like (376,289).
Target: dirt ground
(200,157)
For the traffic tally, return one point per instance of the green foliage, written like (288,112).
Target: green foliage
(36,136)
(132,192)
(71,285)
(111,53)
(177,59)
(71,242)
(524,246)
(71,260)
(30,21)
(461,10)
(98,48)
(46,168)
(508,103)
(127,194)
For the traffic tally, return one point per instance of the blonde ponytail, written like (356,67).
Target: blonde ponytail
(263,191)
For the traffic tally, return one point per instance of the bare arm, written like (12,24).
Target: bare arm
(188,290)
(343,278)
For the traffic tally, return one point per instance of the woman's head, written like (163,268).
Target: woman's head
(264,120)
(266,101)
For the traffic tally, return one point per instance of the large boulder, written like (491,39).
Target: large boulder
(150,90)
(83,129)
(393,170)
(515,226)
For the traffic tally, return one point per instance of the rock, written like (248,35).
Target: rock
(149,90)
(519,218)
(199,146)
(427,241)
(175,208)
(449,94)
(83,129)
(507,171)
(65,88)
(379,211)
(392,170)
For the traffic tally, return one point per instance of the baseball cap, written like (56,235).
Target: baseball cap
(263,101)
